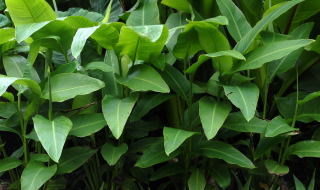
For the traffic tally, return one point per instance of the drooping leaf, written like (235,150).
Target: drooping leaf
(65,86)
(308,148)
(277,11)
(87,124)
(52,134)
(237,122)
(213,114)
(238,25)
(116,112)
(72,158)
(271,52)
(142,42)
(147,13)
(154,154)
(9,163)
(112,153)
(173,138)
(309,97)
(181,5)
(35,175)
(203,58)
(5,82)
(197,180)
(25,12)
(144,78)
(226,152)
(245,97)
(275,168)
(278,126)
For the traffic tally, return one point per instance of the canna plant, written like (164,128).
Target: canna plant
(171,94)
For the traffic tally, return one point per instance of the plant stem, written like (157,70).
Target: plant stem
(55,6)
(23,131)
(48,63)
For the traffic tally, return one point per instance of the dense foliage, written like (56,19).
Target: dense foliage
(148,94)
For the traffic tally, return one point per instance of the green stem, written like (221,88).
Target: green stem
(23,131)
(48,63)
(55,6)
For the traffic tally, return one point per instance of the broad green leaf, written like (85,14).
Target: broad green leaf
(270,52)
(97,33)
(146,104)
(7,109)
(116,112)
(197,180)
(226,152)
(39,157)
(173,138)
(35,175)
(87,124)
(187,44)
(180,5)
(170,169)
(177,82)
(25,12)
(298,184)
(203,58)
(223,177)
(142,42)
(7,34)
(238,25)
(278,126)
(245,97)
(306,10)
(306,148)
(154,154)
(275,168)
(69,85)
(247,40)
(144,78)
(237,122)
(52,134)
(9,163)
(309,97)
(5,82)
(4,127)
(147,13)
(112,154)
(213,114)
(72,158)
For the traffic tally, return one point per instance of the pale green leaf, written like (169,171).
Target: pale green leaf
(275,168)
(181,5)
(278,126)
(147,13)
(173,138)
(7,34)
(245,97)
(308,148)
(68,85)
(5,82)
(112,153)
(87,124)
(213,114)
(52,134)
(116,112)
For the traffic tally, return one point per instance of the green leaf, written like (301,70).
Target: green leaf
(245,97)
(237,122)
(275,168)
(146,104)
(275,12)
(306,148)
(309,97)
(108,12)
(147,13)
(72,158)
(97,33)
(5,82)
(298,184)
(52,134)
(180,5)
(312,182)
(69,85)
(154,154)
(238,25)
(173,138)
(270,52)
(197,180)
(223,177)
(226,152)
(212,114)
(142,42)
(87,124)
(112,154)
(203,58)
(25,12)
(170,169)
(7,34)
(9,163)
(144,78)
(116,112)
(35,175)
(278,126)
